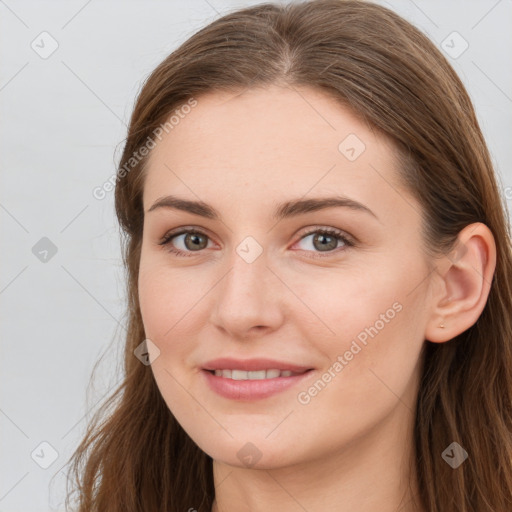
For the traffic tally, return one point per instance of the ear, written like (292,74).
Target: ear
(462,281)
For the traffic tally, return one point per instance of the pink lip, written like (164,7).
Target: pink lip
(248,390)
(228,363)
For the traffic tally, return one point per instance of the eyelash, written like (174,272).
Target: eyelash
(324,231)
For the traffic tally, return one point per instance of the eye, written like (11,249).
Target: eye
(192,241)
(325,240)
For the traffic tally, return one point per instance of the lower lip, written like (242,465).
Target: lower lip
(247,390)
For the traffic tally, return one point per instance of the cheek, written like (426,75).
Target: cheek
(166,304)
(172,304)
(371,318)
(339,303)
(167,299)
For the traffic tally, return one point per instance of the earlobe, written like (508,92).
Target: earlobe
(465,277)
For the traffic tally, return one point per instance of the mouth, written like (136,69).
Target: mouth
(272,373)
(245,386)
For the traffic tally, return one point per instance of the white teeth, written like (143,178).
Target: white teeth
(238,375)
(254,375)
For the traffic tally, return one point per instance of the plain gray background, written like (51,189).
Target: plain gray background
(63,121)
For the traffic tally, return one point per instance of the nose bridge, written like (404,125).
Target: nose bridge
(246,297)
(248,275)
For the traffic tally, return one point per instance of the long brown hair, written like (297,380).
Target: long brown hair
(391,75)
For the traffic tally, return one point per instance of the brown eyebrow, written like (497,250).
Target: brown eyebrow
(284,210)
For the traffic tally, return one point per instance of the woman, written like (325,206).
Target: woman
(319,278)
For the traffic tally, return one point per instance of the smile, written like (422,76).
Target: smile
(241,385)
(255,375)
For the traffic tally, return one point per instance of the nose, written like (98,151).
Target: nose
(248,300)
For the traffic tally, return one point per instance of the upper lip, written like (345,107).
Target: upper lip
(228,363)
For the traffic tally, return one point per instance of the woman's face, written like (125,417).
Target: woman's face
(260,280)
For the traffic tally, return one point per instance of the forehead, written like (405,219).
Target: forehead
(273,141)
(275,116)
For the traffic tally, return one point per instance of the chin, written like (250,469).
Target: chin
(256,454)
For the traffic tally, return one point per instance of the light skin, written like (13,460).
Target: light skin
(349,447)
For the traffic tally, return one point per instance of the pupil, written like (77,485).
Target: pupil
(196,240)
(328,245)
